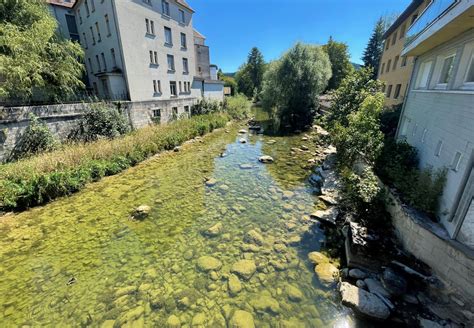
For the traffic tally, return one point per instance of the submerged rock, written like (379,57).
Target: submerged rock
(234,284)
(271,142)
(173,322)
(294,294)
(208,263)
(317,258)
(265,303)
(211,182)
(327,273)
(242,140)
(288,194)
(243,131)
(363,302)
(199,320)
(244,269)
(328,216)
(241,319)
(252,236)
(215,230)
(130,315)
(141,212)
(246,166)
(266,159)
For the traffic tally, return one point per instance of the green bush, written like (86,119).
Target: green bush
(102,121)
(35,139)
(389,120)
(206,106)
(238,107)
(42,178)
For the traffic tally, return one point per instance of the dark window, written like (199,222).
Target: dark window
(165,7)
(72,28)
(389,91)
(173,88)
(397,91)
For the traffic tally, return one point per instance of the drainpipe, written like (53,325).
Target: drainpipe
(119,39)
(410,82)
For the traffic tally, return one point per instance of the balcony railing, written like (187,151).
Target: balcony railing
(434,10)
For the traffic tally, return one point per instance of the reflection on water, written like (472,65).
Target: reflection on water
(82,261)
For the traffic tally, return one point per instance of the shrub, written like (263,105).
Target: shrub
(389,120)
(206,106)
(41,178)
(238,107)
(35,139)
(102,121)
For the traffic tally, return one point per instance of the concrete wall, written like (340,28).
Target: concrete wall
(214,91)
(451,261)
(432,116)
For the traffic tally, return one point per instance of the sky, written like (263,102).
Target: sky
(233,27)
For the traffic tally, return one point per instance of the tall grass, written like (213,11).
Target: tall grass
(39,179)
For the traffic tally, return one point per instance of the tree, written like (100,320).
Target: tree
(34,58)
(374,49)
(341,66)
(249,77)
(228,81)
(350,95)
(294,82)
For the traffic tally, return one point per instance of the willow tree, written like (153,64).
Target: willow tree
(294,82)
(34,58)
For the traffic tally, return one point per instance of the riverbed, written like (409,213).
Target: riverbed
(83,260)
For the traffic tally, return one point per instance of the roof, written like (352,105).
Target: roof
(184,4)
(62,3)
(404,15)
(198,35)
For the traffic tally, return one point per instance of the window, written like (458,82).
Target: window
(456,161)
(84,40)
(186,110)
(174,112)
(153,57)
(80,16)
(394,38)
(107,24)
(447,70)
(404,61)
(156,112)
(86,4)
(423,75)
(105,88)
(173,88)
(114,60)
(170,63)
(395,62)
(180,87)
(147,23)
(389,63)
(182,18)
(189,86)
(98,32)
(168,37)
(402,31)
(183,41)
(165,7)
(382,69)
(93,36)
(98,63)
(90,65)
(387,43)
(148,2)
(423,136)
(92,5)
(185,66)
(469,79)
(389,91)
(72,27)
(157,86)
(383,88)
(103,61)
(96,89)
(397,91)
(439,148)
(150,26)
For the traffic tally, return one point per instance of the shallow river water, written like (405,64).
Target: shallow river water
(81,260)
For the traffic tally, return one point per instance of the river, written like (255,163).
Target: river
(82,261)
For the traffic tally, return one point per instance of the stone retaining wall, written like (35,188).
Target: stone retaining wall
(450,260)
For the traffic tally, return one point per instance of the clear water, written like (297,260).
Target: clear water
(81,260)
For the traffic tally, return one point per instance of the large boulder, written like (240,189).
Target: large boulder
(241,319)
(317,258)
(363,302)
(394,283)
(375,287)
(208,263)
(327,273)
(244,269)
(266,159)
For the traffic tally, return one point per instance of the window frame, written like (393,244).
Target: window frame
(450,72)
(185,66)
(419,75)
(165,8)
(183,37)
(173,87)
(469,85)
(171,64)
(398,89)
(169,33)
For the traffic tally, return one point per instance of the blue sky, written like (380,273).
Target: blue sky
(233,27)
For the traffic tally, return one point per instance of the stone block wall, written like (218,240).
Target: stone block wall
(450,260)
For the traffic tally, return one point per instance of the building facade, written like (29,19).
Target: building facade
(395,69)
(144,52)
(438,114)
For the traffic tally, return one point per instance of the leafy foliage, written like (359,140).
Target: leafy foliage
(41,178)
(374,49)
(238,107)
(249,77)
(228,82)
(102,121)
(35,139)
(361,138)
(352,92)
(294,82)
(389,120)
(34,59)
(206,106)
(341,66)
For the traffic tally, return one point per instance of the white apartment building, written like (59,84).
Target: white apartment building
(143,51)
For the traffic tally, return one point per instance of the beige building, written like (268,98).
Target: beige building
(395,70)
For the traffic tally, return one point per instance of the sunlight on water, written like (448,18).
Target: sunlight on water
(83,261)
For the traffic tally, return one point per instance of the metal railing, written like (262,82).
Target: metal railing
(431,13)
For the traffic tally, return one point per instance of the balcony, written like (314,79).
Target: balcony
(441,21)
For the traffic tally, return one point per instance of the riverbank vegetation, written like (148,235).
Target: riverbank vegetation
(44,177)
